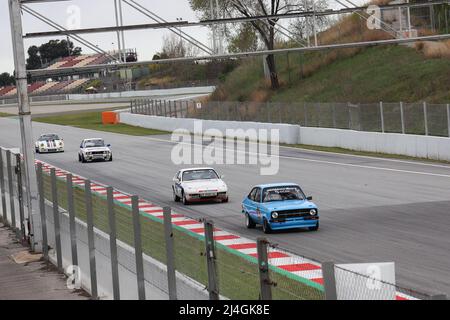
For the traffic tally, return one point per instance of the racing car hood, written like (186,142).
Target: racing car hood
(50,143)
(289,205)
(215,184)
(94,149)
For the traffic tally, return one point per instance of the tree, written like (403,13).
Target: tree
(175,47)
(245,39)
(47,52)
(303,27)
(266,28)
(6,79)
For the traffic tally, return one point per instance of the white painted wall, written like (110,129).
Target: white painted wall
(288,133)
(437,148)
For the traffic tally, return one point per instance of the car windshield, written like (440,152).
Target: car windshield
(47,137)
(283,194)
(207,174)
(94,143)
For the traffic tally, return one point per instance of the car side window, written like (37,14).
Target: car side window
(258,195)
(252,193)
(179,175)
(81,145)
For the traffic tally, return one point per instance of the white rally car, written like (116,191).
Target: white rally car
(94,149)
(49,142)
(199,184)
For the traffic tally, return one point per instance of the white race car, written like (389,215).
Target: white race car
(94,149)
(49,142)
(199,184)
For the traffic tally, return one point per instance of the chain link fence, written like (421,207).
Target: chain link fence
(122,247)
(407,118)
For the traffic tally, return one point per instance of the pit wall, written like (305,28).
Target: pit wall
(436,148)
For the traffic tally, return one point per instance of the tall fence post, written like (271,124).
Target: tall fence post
(263,266)
(448,119)
(11,189)
(382,116)
(113,242)
(425,117)
(210,252)
(2,188)
(21,233)
(41,193)
(138,248)
(171,275)
(72,225)
(91,239)
(402,117)
(56,220)
(329,280)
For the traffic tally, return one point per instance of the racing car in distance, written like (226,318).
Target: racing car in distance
(94,149)
(280,206)
(199,184)
(49,142)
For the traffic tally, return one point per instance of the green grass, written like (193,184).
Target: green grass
(93,121)
(238,274)
(388,73)
(2,114)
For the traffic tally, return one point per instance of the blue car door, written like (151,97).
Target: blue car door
(249,204)
(253,204)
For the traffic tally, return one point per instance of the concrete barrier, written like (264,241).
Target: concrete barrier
(143,93)
(288,133)
(436,148)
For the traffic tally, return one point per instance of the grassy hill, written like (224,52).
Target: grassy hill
(389,73)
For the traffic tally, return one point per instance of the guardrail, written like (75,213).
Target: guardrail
(88,226)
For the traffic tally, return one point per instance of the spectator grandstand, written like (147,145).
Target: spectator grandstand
(72,81)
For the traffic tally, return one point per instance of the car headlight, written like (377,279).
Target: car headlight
(274,214)
(313,212)
(42,145)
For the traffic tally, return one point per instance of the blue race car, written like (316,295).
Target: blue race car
(280,206)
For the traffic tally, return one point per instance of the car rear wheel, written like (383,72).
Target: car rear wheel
(175,197)
(249,222)
(266,227)
(225,200)
(315,228)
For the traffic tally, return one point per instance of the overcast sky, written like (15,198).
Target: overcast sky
(97,13)
(100,13)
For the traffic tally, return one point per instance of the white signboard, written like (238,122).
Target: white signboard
(199,105)
(365,281)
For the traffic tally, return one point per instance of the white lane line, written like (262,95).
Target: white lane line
(318,161)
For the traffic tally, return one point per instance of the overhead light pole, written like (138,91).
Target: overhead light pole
(25,126)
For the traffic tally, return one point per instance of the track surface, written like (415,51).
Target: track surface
(372,210)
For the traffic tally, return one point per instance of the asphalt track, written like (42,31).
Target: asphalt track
(372,210)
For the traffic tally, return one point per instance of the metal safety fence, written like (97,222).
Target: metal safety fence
(119,246)
(420,118)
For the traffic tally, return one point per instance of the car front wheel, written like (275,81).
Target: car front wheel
(315,228)
(175,197)
(249,222)
(266,227)
(185,201)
